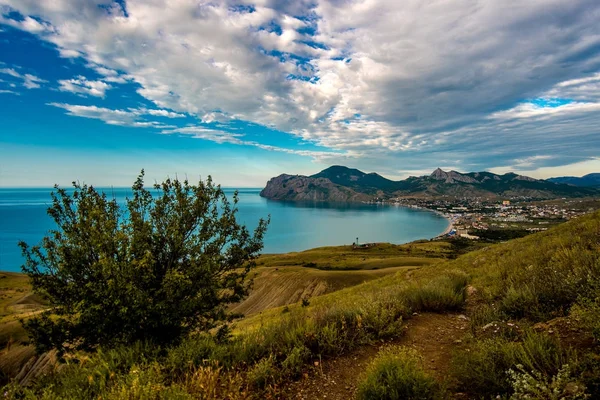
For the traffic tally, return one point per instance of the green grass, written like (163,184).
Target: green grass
(382,255)
(484,369)
(275,287)
(270,352)
(533,279)
(396,374)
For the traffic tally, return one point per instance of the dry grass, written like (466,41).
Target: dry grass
(382,255)
(276,287)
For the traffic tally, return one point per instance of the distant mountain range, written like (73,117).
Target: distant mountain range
(589,180)
(342,184)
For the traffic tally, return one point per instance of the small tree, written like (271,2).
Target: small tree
(154,270)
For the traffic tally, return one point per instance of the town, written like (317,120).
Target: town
(499,220)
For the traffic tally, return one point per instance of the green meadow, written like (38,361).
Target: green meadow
(531,308)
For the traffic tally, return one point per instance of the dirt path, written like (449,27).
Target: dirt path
(434,336)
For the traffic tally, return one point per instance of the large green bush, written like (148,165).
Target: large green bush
(167,263)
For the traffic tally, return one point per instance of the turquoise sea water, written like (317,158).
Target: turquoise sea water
(294,226)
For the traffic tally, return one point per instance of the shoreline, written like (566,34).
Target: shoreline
(441,214)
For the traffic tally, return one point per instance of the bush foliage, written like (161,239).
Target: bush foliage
(166,264)
(395,374)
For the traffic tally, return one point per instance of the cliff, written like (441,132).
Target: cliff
(303,188)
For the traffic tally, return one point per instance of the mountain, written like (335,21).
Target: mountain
(342,184)
(356,179)
(589,180)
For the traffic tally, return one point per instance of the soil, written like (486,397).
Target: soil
(434,336)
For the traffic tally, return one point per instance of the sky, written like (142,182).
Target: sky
(96,90)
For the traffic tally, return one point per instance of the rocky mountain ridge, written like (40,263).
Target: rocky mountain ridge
(342,184)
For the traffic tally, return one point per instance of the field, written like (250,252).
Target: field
(282,279)
(279,280)
(513,319)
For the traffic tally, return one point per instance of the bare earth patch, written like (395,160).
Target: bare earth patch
(434,336)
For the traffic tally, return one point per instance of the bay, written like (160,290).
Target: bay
(294,226)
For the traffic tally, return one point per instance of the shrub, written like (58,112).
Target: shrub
(543,279)
(159,268)
(396,374)
(263,373)
(484,314)
(295,360)
(445,293)
(212,382)
(534,385)
(483,370)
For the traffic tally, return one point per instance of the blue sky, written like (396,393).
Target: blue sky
(244,91)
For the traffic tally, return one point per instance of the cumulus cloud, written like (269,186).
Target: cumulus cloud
(393,83)
(81,85)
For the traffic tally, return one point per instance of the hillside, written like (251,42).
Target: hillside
(279,280)
(589,180)
(497,322)
(342,184)
(283,279)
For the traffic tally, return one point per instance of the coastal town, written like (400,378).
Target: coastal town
(501,219)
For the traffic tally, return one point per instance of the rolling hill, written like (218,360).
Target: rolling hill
(589,180)
(479,325)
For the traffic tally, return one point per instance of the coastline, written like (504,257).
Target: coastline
(447,217)
(449,228)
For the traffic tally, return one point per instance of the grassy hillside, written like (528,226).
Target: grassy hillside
(283,279)
(279,280)
(274,287)
(532,307)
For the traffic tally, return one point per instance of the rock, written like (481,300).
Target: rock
(302,188)
(463,317)
(488,326)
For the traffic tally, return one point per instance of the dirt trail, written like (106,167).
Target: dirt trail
(434,336)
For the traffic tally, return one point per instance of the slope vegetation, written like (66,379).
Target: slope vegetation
(528,329)
(283,279)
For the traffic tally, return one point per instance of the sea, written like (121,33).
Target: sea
(294,226)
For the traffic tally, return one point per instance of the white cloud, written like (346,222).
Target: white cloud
(199,132)
(81,85)
(220,136)
(5,91)
(130,117)
(32,81)
(28,24)
(29,81)
(11,72)
(529,110)
(163,113)
(67,53)
(391,82)
(530,161)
